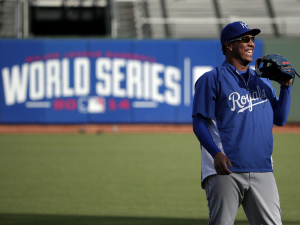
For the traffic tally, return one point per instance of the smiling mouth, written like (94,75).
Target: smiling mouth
(249,52)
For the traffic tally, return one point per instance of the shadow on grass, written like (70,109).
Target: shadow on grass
(24,219)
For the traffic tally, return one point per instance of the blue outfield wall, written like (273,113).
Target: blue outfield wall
(103,81)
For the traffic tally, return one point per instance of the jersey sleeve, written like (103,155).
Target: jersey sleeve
(201,131)
(282,106)
(204,98)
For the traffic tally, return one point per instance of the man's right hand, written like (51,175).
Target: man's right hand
(220,161)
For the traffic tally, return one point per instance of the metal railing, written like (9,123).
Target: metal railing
(14,18)
(175,27)
(134,19)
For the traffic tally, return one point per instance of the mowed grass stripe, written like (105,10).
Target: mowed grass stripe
(127,175)
(146,175)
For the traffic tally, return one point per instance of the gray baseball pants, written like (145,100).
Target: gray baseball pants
(257,192)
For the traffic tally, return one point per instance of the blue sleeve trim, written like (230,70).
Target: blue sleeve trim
(282,107)
(285,88)
(204,136)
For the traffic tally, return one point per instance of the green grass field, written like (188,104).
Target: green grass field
(120,179)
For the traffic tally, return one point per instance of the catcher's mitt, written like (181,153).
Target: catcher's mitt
(275,67)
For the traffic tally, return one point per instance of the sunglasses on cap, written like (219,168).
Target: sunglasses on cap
(245,39)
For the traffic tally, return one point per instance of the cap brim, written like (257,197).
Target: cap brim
(253,32)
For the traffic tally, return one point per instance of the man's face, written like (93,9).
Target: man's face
(243,51)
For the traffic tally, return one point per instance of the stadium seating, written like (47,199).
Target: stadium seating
(205,18)
(173,18)
(9,18)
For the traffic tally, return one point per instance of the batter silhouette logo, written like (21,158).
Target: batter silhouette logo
(91,104)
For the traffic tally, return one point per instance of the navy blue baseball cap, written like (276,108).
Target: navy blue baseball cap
(235,30)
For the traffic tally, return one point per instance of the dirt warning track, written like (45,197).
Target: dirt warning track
(116,128)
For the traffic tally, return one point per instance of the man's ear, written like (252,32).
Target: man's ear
(228,45)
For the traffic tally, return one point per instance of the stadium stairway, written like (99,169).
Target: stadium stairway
(8,19)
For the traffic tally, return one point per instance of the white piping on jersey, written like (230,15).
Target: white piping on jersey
(246,83)
(208,167)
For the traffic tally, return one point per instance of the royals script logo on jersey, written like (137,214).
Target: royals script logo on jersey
(248,101)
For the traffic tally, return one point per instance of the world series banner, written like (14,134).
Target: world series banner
(103,81)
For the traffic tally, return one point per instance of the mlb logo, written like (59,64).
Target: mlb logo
(93,104)
(96,105)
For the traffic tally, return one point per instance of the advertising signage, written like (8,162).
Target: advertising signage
(103,81)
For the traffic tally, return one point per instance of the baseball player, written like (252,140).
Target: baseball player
(233,114)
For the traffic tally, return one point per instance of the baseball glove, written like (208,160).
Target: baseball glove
(275,67)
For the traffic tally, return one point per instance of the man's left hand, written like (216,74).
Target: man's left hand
(285,82)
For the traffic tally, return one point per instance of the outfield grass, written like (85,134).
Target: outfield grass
(117,179)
